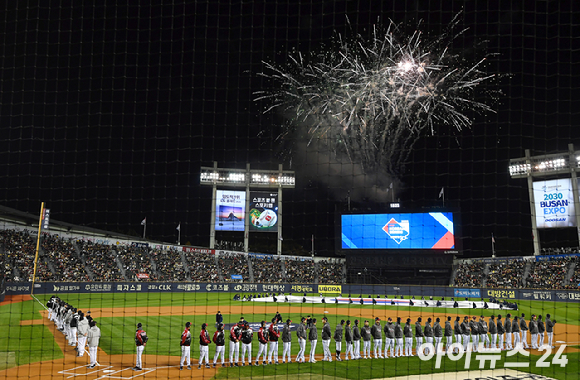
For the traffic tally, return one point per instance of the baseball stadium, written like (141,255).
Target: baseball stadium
(342,189)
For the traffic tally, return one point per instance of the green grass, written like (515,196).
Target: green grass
(25,344)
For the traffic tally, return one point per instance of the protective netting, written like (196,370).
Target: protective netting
(115,113)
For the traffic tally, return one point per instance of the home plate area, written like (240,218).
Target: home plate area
(109,372)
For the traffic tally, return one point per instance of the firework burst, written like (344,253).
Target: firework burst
(369,101)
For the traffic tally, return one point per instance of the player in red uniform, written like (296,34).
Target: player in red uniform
(185,347)
(203,346)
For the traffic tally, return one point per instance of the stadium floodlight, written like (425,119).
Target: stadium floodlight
(543,165)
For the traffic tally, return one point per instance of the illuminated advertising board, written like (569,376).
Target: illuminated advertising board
(230,210)
(432,230)
(554,203)
(263,211)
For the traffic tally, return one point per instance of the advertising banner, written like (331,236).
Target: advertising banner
(469,293)
(502,293)
(263,211)
(554,203)
(230,210)
(378,291)
(330,288)
(432,230)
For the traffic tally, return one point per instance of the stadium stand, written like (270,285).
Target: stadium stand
(202,267)
(20,250)
(135,261)
(234,264)
(101,260)
(330,272)
(506,274)
(63,256)
(169,265)
(299,271)
(266,270)
(548,274)
(469,275)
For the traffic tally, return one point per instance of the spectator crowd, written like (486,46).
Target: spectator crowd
(469,275)
(544,274)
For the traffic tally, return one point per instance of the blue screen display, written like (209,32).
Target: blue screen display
(432,230)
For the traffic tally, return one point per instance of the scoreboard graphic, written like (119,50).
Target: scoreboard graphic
(434,230)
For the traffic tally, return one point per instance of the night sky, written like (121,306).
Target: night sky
(108,111)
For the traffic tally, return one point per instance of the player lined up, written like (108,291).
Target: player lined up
(80,330)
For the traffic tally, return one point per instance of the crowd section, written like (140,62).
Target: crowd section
(100,259)
(136,262)
(19,252)
(234,264)
(548,274)
(202,267)
(506,274)
(266,270)
(469,275)
(575,280)
(544,274)
(330,272)
(299,271)
(169,265)
(64,258)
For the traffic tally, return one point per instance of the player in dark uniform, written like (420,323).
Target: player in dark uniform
(408,334)
(516,332)
(524,329)
(493,332)
(219,338)
(419,335)
(399,349)
(365,333)
(428,335)
(448,333)
(465,333)
(377,333)
(541,330)
(247,336)
(313,338)
(140,341)
(389,337)
(507,325)
(550,330)
(301,335)
(338,339)
(348,340)
(500,332)
(457,331)
(356,337)
(534,332)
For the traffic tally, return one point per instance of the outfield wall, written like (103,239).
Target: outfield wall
(345,290)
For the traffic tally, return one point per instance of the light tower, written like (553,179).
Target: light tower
(246,178)
(563,211)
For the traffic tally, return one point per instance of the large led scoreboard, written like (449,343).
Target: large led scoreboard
(420,231)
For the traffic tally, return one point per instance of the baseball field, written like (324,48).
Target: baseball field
(32,348)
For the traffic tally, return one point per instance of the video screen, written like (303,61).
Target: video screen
(432,230)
